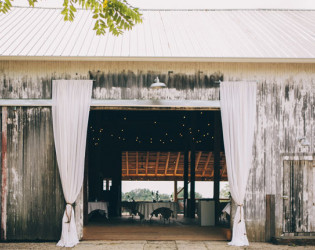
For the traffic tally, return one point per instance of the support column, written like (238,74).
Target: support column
(192,165)
(175,191)
(4,174)
(217,167)
(192,183)
(185,183)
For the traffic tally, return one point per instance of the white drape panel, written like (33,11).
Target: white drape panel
(238,112)
(70,112)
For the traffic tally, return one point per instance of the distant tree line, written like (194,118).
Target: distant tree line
(145,194)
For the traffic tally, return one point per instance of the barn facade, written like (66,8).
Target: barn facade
(191,52)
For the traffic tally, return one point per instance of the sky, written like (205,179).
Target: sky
(198,4)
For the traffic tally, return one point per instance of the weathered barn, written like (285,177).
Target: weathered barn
(190,51)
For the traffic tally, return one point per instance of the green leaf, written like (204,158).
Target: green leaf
(73,8)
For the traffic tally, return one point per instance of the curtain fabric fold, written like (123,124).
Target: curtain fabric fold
(70,113)
(238,112)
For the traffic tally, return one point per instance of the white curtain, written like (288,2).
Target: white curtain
(70,112)
(238,112)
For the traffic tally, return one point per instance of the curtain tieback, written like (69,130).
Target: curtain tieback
(240,205)
(69,215)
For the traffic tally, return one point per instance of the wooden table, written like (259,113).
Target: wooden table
(100,205)
(146,208)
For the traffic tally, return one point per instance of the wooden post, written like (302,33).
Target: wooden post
(192,184)
(216,165)
(192,166)
(85,181)
(185,182)
(4,174)
(175,191)
(270,217)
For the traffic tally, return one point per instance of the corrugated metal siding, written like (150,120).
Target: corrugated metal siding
(164,33)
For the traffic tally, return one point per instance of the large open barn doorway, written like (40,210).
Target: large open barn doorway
(141,163)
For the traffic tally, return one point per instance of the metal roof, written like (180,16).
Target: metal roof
(183,35)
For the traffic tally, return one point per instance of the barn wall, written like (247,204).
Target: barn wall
(35,201)
(285,109)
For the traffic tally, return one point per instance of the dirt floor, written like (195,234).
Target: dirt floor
(135,245)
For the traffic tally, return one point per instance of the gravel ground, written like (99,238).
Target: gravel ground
(146,245)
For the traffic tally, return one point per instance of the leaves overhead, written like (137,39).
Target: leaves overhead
(114,16)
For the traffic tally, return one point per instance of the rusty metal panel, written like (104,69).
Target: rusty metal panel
(35,198)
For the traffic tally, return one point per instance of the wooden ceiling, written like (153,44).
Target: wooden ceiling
(156,165)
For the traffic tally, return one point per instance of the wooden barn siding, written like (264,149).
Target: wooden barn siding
(285,109)
(285,113)
(35,200)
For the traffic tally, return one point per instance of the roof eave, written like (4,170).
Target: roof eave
(159,59)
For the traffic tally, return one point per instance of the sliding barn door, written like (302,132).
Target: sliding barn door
(298,197)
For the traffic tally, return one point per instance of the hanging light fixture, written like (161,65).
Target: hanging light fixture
(157,84)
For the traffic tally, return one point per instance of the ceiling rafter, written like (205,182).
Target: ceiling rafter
(167,161)
(147,162)
(127,163)
(198,159)
(206,164)
(137,162)
(177,161)
(164,165)
(157,162)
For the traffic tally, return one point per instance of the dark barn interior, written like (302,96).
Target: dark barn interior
(153,145)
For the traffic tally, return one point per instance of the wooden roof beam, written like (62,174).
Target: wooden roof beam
(206,164)
(177,161)
(127,163)
(167,161)
(137,163)
(147,163)
(198,159)
(157,162)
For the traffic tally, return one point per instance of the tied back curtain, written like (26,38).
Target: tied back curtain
(70,113)
(238,112)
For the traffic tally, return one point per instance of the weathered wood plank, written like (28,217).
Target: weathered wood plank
(285,108)
(4,173)
(1,170)
(35,198)
(270,217)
